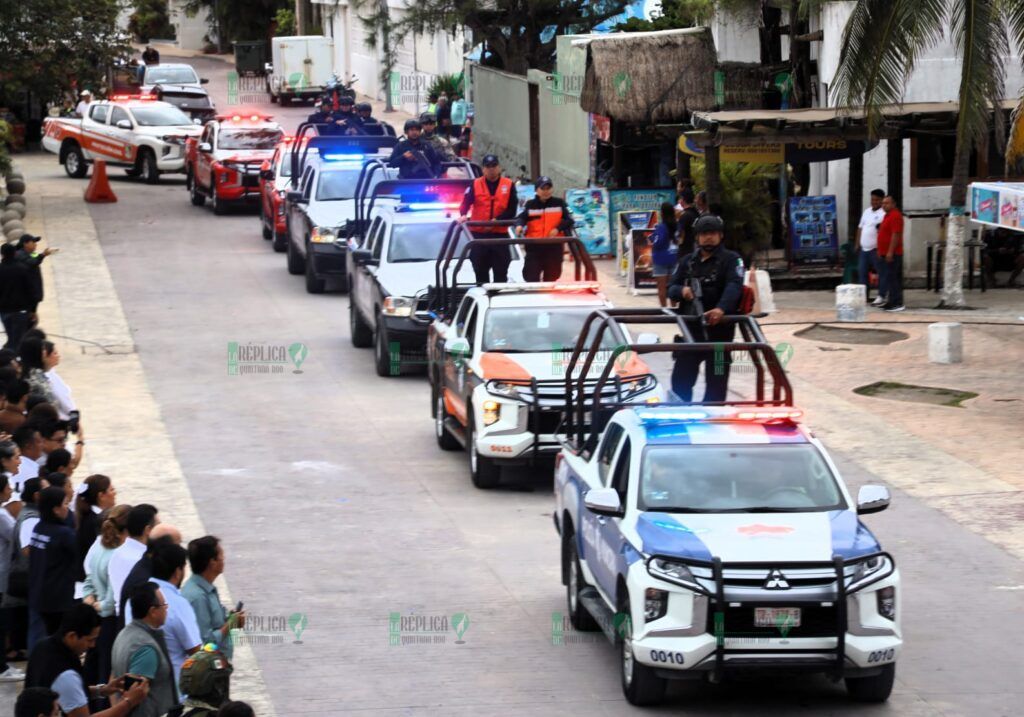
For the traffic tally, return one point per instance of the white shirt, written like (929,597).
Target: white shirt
(181,631)
(81,108)
(121,563)
(29,469)
(869,222)
(61,391)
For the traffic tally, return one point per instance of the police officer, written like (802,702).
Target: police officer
(322,114)
(440,145)
(490,197)
(719,274)
(205,678)
(544,216)
(414,158)
(345,116)
(371,125)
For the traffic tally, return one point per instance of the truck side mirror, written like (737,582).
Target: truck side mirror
(203,80)
(872,499)
(604,501)
(205,147)
(124,124)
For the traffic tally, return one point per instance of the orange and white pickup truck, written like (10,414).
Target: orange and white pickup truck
(145,137)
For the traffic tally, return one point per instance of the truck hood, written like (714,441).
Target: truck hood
(247,155)
(193,90)
(408,278)
(756,537)
(550,365)
(331,214)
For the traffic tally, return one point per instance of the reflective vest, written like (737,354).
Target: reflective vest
(487,206)
(541,220)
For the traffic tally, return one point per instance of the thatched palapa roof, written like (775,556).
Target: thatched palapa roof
(650,77)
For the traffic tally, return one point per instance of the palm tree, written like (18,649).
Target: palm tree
(881,45)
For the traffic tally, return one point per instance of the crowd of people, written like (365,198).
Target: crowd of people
(112,614)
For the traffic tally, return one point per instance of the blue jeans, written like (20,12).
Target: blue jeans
(867,260)
(894,281)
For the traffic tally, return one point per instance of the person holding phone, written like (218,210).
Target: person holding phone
(56,664)
(206,558)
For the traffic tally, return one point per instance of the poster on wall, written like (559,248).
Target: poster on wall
(524,192)
(813,230)
(627,221)
(998,204)
(589,209)
(637,200)
(641,265)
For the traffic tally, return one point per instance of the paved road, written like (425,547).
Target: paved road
(335,503)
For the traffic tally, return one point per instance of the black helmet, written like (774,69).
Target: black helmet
(364,106)
(428,118)
(412,124)
(708,224)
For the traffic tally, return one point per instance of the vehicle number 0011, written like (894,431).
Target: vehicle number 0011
(674,658)
(882,655)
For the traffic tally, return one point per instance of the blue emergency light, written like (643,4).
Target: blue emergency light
(419,196)
(344,157)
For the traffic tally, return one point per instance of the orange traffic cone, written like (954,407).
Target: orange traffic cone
(99,189)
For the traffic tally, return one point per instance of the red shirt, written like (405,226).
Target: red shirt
(891,224)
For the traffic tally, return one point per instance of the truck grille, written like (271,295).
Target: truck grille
(816,620)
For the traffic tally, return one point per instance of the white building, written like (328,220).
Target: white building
(190,32)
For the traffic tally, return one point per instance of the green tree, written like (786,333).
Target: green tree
(239,20)
(285,22)
(882,43)
(52,46)
(150,20)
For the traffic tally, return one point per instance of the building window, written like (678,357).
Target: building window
(931,162)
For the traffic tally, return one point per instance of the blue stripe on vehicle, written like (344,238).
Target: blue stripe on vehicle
(850,537)
(666,534)
(676,434)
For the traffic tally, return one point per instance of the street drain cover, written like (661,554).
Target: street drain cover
(844,335)
(916,394)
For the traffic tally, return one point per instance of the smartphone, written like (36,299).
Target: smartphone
(129,681)
(238,607)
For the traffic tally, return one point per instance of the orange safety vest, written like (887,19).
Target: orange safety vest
(540,221)
(487,206)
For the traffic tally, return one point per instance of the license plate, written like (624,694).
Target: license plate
(782,617)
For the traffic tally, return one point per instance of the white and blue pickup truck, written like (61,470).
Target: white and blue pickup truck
(710,539)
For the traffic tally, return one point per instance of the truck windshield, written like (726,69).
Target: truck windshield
(542,329)
(171,76)
(737,479)
(334,184)
(416,242)
(160,116)
(248,138)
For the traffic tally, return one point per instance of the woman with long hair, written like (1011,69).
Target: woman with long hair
(664,252)
(52,560)
(94,495)
(37,357)
(97,590)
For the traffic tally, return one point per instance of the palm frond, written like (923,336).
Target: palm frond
(979,36)
(1014,15)
(881,44)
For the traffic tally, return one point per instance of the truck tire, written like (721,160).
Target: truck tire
(360,332)
(485,472)
(872,689)
(280,242)
(580,618)
(268,229)
(132,172)
(219,207)
(195,196)
(313,284)
(74,161)
(147,166)
(296,264)
(640,684)
(445,440)
(382,351)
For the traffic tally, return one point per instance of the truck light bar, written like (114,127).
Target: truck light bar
(566,286)
(430,206)
(682,415)
(342,157)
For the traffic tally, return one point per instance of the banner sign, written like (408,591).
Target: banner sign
(628,221)
(814,230)
(589,209)
(637,200)
(641,264)
(790,153)
(998,204)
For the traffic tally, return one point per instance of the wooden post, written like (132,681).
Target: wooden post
(682,167)
(855,195)
(713,175)
(894,157)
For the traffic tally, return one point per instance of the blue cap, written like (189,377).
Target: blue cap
(542,181)
(490,160)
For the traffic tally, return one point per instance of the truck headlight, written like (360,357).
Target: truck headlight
(672,572)
(492,412)
(396,305)
(322,235)
(655,603)
(505,389)
(870,571)
(886,598)
(644,383)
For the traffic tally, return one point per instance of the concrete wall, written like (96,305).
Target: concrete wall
(501,125)
(736,34)
(189,31)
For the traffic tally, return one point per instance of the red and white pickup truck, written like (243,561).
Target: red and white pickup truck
(224,163)
(145,137)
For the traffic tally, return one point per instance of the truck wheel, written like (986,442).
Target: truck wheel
(872,689)
(280,242)
(197,198)
(313,284)
(218,204)
(147,166)
(382,351)
(284,100)
(640,684)
(296,264)
(580,618)
(268,229)
(132,172)
(485,472)
(74,162)
(445,440)
(359,330)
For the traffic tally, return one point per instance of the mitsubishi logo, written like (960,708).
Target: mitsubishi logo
(776,581)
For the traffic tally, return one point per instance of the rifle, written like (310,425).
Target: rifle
(698,304)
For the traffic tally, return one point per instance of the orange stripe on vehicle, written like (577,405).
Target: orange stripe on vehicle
(498,365)
(454,406)
(630,364)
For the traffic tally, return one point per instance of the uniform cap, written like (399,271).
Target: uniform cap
(543,181)
(490,160)
(364,106)
(345,100)
(708,224)
(412,124)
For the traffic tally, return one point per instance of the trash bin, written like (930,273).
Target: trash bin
(250,57)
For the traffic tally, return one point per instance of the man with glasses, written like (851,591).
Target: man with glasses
(141,650)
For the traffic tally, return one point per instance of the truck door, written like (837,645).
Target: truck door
(363,276)
(96,138)
(455,367)
(204,160)
(319,61)
(122,135)
(597,549)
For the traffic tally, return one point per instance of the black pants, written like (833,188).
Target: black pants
(486,259)
(716,370)
(543,263)
(5,616)
(16,323)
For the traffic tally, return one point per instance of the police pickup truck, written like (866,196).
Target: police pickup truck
(320,204)
(497,362)
(392,264)
(145,137)
(704,539)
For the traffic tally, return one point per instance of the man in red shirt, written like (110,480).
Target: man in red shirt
(890,256)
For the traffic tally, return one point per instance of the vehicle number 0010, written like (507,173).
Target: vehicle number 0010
(882,655)
(674,658)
